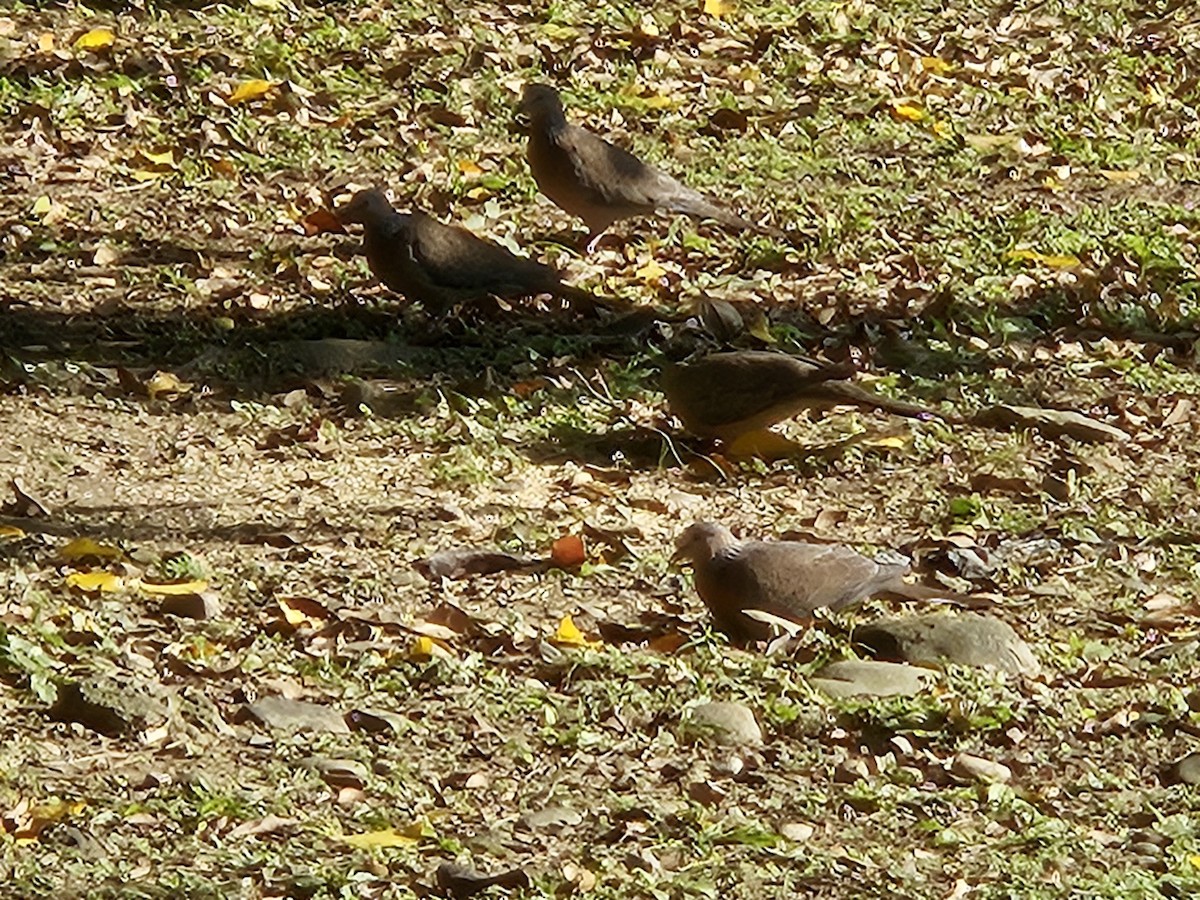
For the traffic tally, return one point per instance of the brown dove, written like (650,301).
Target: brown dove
(590,178)
(724,395)
(441,265)
(787,579)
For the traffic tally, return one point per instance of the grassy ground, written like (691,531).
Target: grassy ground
(999,207)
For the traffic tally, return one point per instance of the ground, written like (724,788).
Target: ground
(989,205)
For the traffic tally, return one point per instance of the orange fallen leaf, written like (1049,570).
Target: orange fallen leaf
(568,552)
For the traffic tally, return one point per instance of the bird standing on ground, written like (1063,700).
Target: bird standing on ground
(442,266)
(724,395)
(590,178)
(787,579)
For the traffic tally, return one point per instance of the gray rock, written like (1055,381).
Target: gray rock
(297,715)
(853,677)
(967,639)
(731,724)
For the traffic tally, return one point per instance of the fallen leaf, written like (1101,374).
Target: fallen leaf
(321,221)
(86,548)
(569,635)
(666,643)
(11,531)
(26,822)
(253,89)
(96,39)
(907,112)
(269,824)
(298,611)
(469,168)
(166,383)
(717,8)
(1053,260)
(388,837)
(935,65)
(889,441)
(45,42)
(762,444)
(93,582)
(173,588)
(650,273)
(568,552)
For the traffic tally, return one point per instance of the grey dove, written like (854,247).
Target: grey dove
(442,266)
(787,579)
(724,395)
(600,183)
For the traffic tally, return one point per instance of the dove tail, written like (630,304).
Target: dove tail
(846,392)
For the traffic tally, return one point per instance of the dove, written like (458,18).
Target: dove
(785,579)
(599,183)
(442,265)
(727,394)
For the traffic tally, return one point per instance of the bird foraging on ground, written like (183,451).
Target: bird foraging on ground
(728,394)
(600,183)
(786,579)
(442,266)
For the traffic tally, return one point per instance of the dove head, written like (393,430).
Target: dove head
(365,207)
(702,541)
(541,105)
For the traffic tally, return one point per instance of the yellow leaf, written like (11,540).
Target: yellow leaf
(42,205)
(469,168)
(46,42)
(569,635)
(650,273)
(907,112)
(1155,95)
(890,441)
(717,8)
(941,129)
(183,587)
(935,65)
(1121,176)
(763,444)
(146,175)
(757,325)
(96,39)
(1194,860)
(31,822)
(421,649)
(166,383)
(11,531)
(160,158)
(253,89)
(90,582)
(83,548)
(1053,260)
(388,837)
(657,101)
(558,32)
